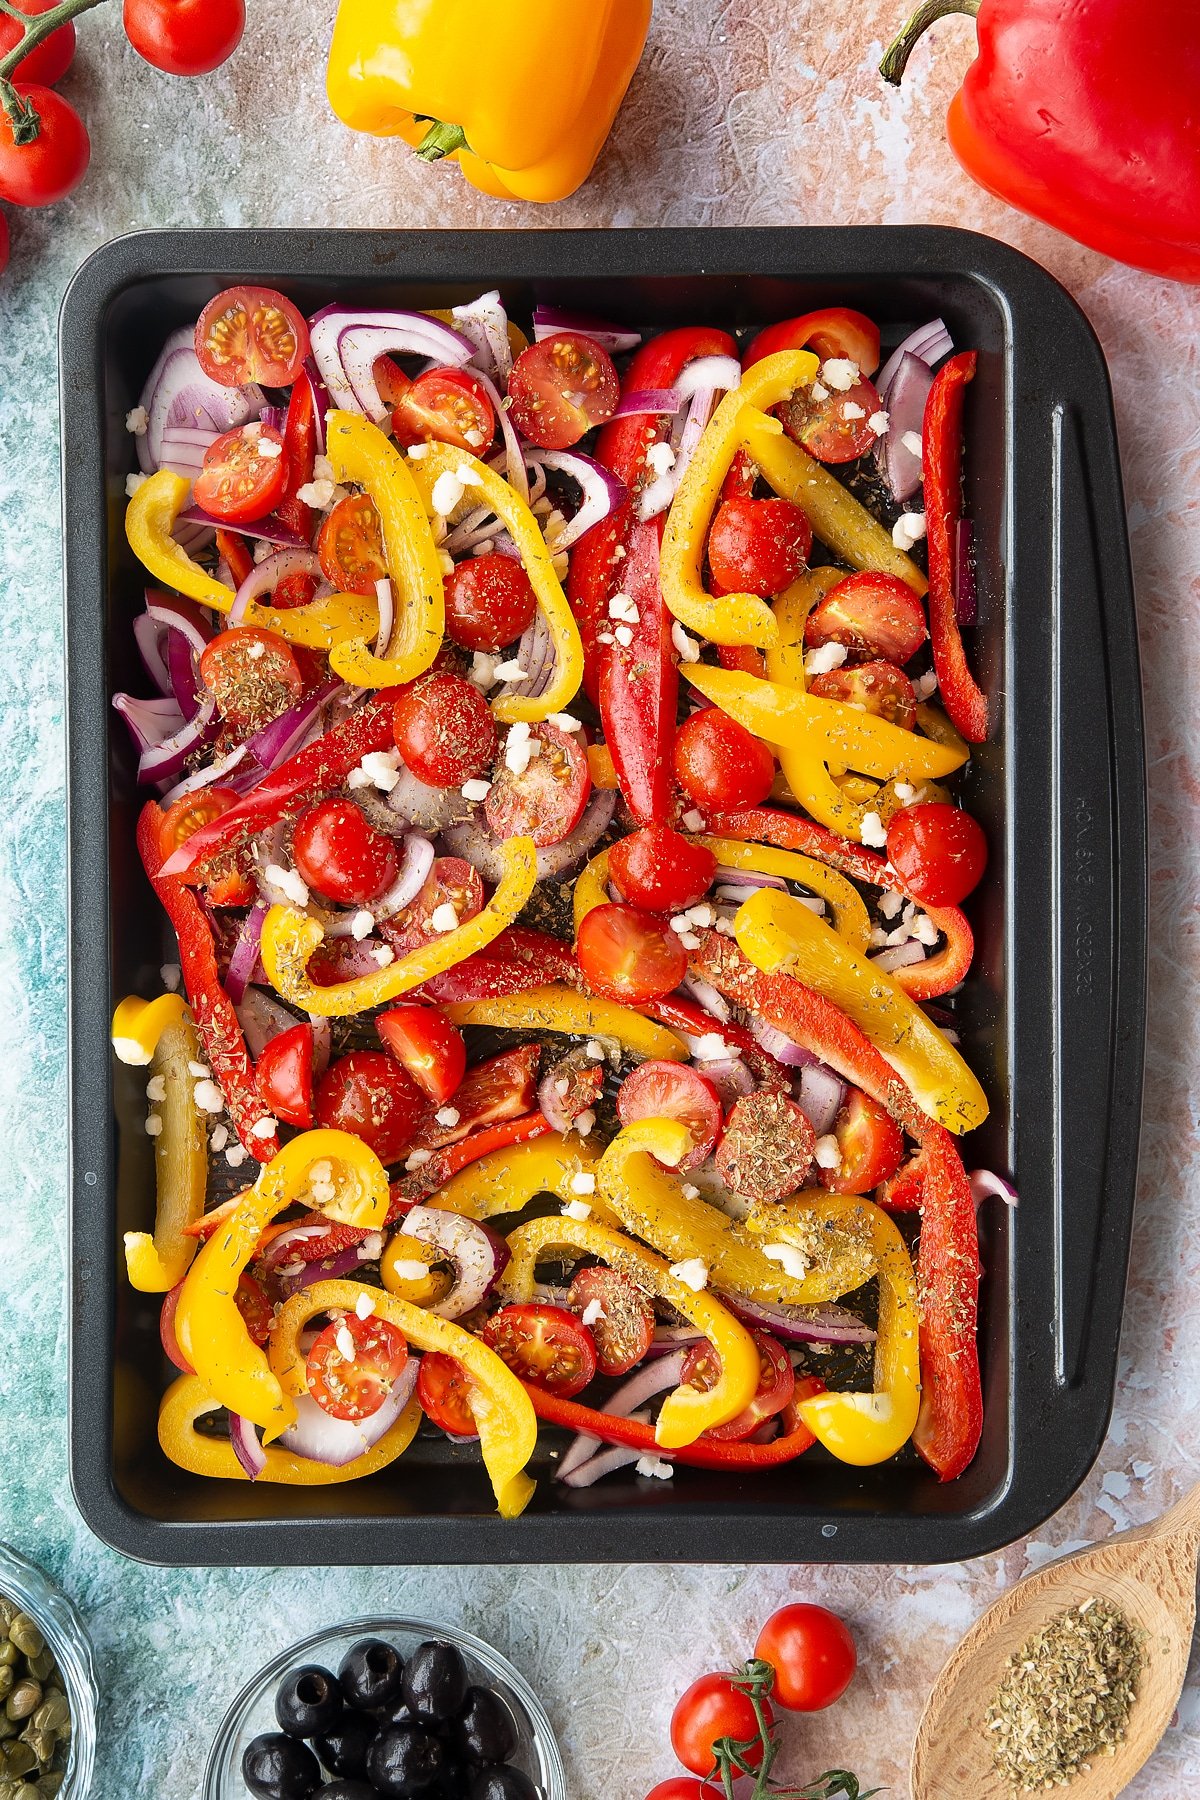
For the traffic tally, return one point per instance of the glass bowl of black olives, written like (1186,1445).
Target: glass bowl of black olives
(386,1709)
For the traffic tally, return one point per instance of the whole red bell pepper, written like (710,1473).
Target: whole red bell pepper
(216,1021)
(834,331)
(793,1441)
(1084,116)
(941,461)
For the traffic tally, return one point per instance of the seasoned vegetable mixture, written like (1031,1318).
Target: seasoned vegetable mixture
(563,858)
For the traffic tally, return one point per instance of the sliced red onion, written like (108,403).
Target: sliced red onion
(548,320)
(279,1251)
(320,398)
(222,770)
(247,1446)
(322,1043)
(191,538)
(326,1268)
(781,1047)
(183,339)
(602,492)
(708,372)
(262,1018)
(706,995)
(731,1078)
(478,1256)
(273,417)
(899,956)
(184,634)
(929,342)
(904,403)
(270,530)
(536,655)
(964,572)
(803,1324)
(387,614)
(179,394)
(485,322)
(514,457)
(416,860)
(647,400)
(183,450)
(475,844)
(604,1462)
(475,527)
(657,496)
(327,326)
(650,1379)
(266,575)
(284,735)
(820,1096)
(319,1437)
(428,808)
(163,761)
(149,640)
(244,958)
(150,722)
(984,1183)
(668,1338)
(748,880)
(360,347)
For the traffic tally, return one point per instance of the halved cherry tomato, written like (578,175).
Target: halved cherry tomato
(353,1386)
(258,1314)
(712,1709)
(546,799)
(489,602)
(444,730)
(671,1090)
(623,1329)
(721,764)
(350,546)
(367,1092)
(428,1045)
(767,1148)
(284,1075)
(939,851)
(743,473)
(875,614)
(451,882)
(776,1384)
(544,1345)
(871,1145)
(187,815)
(875,687)
(338,852)
(231,887)
(834,429)
(251,334)
(251,674)
(446,405)
(812,1654)
(758,546)
(560,388)
(503,1088)
(444,1390)
(833,331)
(660,870)
(238,482)
(627,954)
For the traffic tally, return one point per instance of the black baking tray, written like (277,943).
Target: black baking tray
(1052,1015)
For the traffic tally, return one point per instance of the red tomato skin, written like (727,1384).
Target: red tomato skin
(836,429)
(185,37)
(546,802)
(712,1708)
(428,1046)
(284,1076)
(721,764)
(350,546)
(381,1355)
(489,602)
(875,687)
(560,388)
(871,1144)
(876,615)
(444,730)
(443,1387)
(51,59)
(661,870)
(451,880)
(758,546)
(524,1335)
(939,851)
(626,1332)
(367,1093)
(669,1090)
(683,1787)
(812,1654)
(236,484)
(339,852)
(776,1386)
(52,166)
(629,955)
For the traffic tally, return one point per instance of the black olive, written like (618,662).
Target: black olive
(484,1731)
(455,1783)
(371,1674)
(275,1767)
(435,1682)
(395,1714)
(502,1784)
(308,1702)
(347,1790)
(404,1760)
(343,1748)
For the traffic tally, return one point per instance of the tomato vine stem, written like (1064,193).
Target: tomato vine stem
(22,113)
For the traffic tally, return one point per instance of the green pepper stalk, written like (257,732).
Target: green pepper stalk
(733,1756)
(24,116)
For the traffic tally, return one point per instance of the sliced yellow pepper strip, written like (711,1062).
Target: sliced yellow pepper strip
(601,768)
(558,1008)
(503,1412)
(525,532)
(785,658)
(187,1400)
(850,917)
(591,888)
(780,934)
(686,1412)
(732,618)
(332,1171)
(835,515)
(360,453)
(156,1263)
(507,1180)
(290,937)
(868,1428)
(138,1024)
(830,1230)
(432,1285)
(149,519)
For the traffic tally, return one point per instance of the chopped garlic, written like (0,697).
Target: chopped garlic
(444,917)
(208,1097)
(475,790)
(592,1313)
(692,1273)
(447,1116)
(791,1260)
(908,530)
(130,1051)
(382,768)
(825,658)
(156,1089)
(137,421)
(577,1209)
(265,1127)
(410,1271)
(170,973)
(826,1153)
(364,1306)
(687,647)
(583,1182)
(345,1343)
(873,832)
(912,442)
(656,1467)
(878,422)
(153,1125)
(447,492)
(839,373)
(362,925)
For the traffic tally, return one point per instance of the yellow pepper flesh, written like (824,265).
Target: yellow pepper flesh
(850,917)
(591,888)
(137,1026)
(785,657)
(156,1263)
(507,1180)
(558,1008)
(187,1400)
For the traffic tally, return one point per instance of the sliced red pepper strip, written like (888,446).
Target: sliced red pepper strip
(426,1180)
(788,831)
(687,1015)
(951,1417)
(941,460)
(234,552)
(639,686)
(518,959)
(212,1009)
(299,452)
(794,1440)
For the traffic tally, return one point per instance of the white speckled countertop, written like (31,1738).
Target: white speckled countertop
(747,112)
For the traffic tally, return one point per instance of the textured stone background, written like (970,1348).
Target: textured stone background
(748,112)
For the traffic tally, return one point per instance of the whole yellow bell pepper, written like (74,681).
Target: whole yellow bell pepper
(507,1180)
(558,1008)
(156,1263)
(331,1171)
(360,453)
(504,1416)
(522,96)
(187,1400)
(687,1411)
(780,934)
(149,519)
(290,937)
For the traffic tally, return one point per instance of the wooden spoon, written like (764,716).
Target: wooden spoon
(1149,1574)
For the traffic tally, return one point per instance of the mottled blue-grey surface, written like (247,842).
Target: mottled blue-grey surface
(750,111)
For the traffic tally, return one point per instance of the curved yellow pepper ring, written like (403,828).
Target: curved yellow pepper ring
(503,1413)
(155,1263)
(733,618)
(138,1024)
(850,917)
(332,1171)
(868,1428)
(591,888)
(526,534)
(149,519)
(781,935)
(558,1008)
(507,1180)
(360,453)
(290,937)
(829,1230)
(187,1400)
(785,657)
(432,1285)
(686,1412)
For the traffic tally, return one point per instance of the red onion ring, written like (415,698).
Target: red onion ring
(648,400)
(244,958)
(265,575)
(416,860)
(150,722)
(514,458)
(802,1324)
(327,326)
(221,770)
(928,342)
(602,492)
(360,346)
(262,1018)
(319,1437)
(647,1381)
(247,1446)
(985,1183)
(485,322)
(479,1256)
(263,531)
(820,1096)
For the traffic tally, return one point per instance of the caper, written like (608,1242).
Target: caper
(25,1699)
(9,1654)
(17,1759)
(53,1715)
(25,1635)
(8,1727)
(49,1784)
(40,1742)
(6,1682)
(25,1792)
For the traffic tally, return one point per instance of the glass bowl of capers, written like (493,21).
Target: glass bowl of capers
(48,1691)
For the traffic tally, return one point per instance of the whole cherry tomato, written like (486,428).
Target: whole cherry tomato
(659,869)
(54,163)
(339,853)
(721,764)
(185,37)
(758,546)
(939,851)
(812,1654)
(489,602)
(367,1093)
(712,1709)
(51,59)
(444,730)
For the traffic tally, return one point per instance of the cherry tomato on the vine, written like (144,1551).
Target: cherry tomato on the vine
(489,602)
(444,730)
(54,163)
(812,1654)
(448,406)
(721,764)
(251,334)
(339,853)
(659,869)
(185,37)
(51,59)
(367,1093)
(938,850)
(354,1365)
(627,954)
(560,388)
(711,1709)
(758,546)
(873,614)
